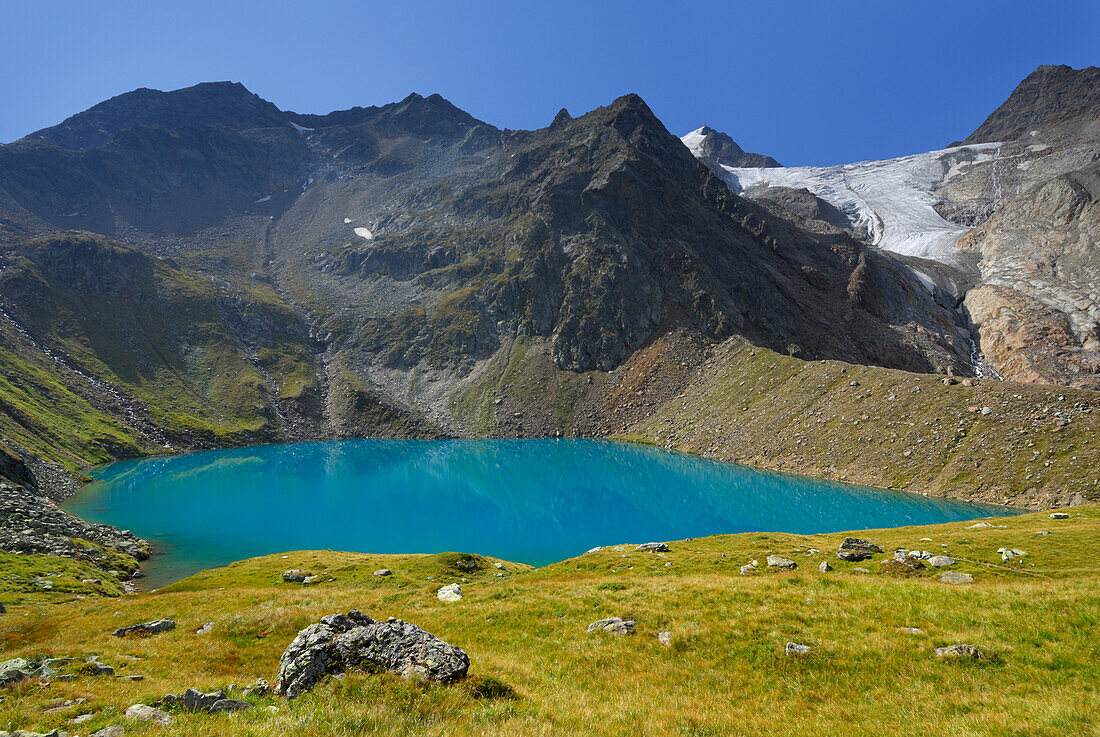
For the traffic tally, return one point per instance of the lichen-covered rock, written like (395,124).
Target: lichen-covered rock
(954,577)
(146,628)
(962,651)
(192,700)
(450,592)
(339,643)
(775,561)
(614,625)
(144,713)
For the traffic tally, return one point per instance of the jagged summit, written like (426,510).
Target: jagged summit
(716,148)
(1048,98)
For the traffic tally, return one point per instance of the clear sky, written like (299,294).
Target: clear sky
(807,82)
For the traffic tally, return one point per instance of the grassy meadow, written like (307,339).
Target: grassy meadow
(725,672)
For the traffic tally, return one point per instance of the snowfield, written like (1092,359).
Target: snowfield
(364,233)
(891,199)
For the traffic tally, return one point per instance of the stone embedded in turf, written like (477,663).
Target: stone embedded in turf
(450,592)
(954,577)
(960,651)
(614,625)
(143,713)
(339,643)
(146,628)
(653,547)
(775,561)
(793,648)
(853,556)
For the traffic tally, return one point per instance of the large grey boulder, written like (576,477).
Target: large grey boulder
(853,556)
(941,561)
(339,643)
(146,628)
(855,543)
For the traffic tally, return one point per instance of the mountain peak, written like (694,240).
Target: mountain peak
(1050,97)
(715,148)
(228,104)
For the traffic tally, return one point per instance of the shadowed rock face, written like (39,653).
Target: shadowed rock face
(1050,98)
(339,643)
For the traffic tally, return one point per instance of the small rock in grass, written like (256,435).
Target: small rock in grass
(614,625)
(115,730)
(954,577)
(1043,532)
(450,592)
(1059,515)
(147,628)
(499,566)
(979,526)
(857,569)
(855,543)
(593,550)
(259,687)
(793,648)
(383,572)
(775,561)
(748,569)
(295,575)
(902,565)
(960,651)
(941,561)
(205,629)
(912,630)
(143,713)
(664,637)
(824,566)
(81,719)
(226,706)
(654,547)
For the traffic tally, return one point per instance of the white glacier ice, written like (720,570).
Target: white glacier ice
(891,199)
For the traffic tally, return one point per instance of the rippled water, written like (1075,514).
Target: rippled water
(533,501)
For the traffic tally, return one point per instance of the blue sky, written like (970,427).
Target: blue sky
(806,82)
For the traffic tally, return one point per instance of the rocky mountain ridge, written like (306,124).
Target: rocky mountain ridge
(197,268)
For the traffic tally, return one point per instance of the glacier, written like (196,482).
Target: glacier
(892,200)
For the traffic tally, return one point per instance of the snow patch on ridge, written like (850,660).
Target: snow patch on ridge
(893,200)
(301,128)
(694,141)
(364,233)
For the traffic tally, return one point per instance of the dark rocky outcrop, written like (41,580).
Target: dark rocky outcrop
(146,628)
(1050,97)
(339,643)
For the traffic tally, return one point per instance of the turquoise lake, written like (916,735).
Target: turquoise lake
(532,501)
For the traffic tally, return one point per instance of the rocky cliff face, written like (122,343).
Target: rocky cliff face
(1053,100)
(1038,306)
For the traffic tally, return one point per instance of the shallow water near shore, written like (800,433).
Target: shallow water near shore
(530,501)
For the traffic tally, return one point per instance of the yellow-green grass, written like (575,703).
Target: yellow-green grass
(725,672)
(995,441)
